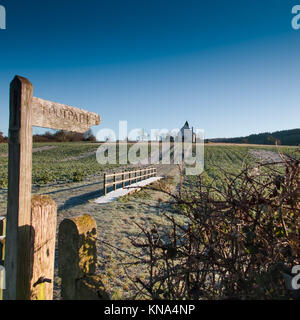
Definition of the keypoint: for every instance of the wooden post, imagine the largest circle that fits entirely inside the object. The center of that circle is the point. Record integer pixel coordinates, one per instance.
(123, 178)
(17, 256)
(26, 228)
(130, 178)
(77, 259)
(2, 239)
(115, 185)
(43, 217)
(2, 254)
(104, 184)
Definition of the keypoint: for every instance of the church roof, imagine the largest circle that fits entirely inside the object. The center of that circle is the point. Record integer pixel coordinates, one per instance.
(186, 126)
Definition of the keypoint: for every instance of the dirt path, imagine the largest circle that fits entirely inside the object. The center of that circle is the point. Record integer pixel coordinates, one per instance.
(266, 156)
(34, 150)
(83, 156)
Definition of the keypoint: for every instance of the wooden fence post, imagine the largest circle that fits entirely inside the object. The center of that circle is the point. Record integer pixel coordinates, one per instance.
(114, 180)
(77, 259)
(123, 178)
(104, 185)
(43, 222)
(17, 257)
(2, 254)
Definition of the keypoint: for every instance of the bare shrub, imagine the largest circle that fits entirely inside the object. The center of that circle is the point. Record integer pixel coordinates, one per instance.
(238, 241)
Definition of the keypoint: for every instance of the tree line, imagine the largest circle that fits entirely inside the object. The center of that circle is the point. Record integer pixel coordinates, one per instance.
(285, 137)
(3, 139)
(58, 136)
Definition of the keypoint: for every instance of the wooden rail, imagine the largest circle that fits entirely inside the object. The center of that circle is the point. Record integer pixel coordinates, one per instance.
(2, 253)
(133, 176)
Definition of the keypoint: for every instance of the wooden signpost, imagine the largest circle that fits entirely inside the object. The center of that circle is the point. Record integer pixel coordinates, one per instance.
(29, 233)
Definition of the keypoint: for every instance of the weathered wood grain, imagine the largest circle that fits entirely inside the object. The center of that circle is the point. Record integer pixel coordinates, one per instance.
(48, 114)
(17, 253)
(43, 222)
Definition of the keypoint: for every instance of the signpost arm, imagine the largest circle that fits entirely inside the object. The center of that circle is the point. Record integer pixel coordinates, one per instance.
(19, 230)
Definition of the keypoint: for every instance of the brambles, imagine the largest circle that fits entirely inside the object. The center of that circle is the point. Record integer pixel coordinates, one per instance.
(3, 139)
(241, 235)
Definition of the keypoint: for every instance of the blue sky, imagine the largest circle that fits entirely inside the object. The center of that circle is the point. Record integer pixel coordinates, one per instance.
(230, 67)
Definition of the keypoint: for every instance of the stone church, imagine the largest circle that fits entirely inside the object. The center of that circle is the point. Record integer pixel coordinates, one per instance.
(186, 134)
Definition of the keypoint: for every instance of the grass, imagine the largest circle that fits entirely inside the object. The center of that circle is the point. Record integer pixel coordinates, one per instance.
(73, 162)
(232, 159)
(116, 221)
(135, 210)
(118, 269)
(67, 162)
(145, 194)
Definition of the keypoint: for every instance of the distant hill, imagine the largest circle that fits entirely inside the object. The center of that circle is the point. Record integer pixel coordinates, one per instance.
(285, 137)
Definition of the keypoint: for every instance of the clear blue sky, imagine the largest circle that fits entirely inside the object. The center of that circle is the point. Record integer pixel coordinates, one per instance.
(231, 67)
